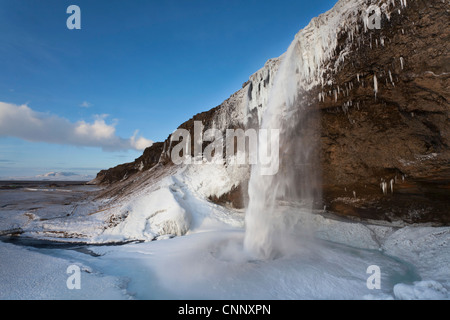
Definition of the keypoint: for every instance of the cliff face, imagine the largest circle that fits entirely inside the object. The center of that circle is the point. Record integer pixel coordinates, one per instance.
(378, 101)
(389, 126)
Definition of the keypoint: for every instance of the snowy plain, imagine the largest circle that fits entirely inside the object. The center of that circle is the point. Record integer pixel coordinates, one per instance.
(193, 249)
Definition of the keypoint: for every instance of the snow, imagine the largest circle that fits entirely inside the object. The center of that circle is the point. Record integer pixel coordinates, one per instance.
(224, 177)
(421, 290)
(171, 205)
(213, 265)
(322, 256)
(153, 215)
(427, 248)
(176, 204)
(57, 212)
(328, 263)
(32, 275)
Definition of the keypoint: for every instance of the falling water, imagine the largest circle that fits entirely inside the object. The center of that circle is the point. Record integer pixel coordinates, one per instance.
(267, 226)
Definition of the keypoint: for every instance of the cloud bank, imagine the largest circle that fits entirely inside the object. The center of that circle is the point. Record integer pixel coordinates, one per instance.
(24, 123)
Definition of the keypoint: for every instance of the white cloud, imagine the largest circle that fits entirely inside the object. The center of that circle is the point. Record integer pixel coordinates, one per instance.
(140, 143)
(86, 104)
(25, 123)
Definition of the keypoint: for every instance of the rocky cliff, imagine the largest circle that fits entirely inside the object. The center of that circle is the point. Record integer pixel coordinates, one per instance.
(386, 135)
(375, 104)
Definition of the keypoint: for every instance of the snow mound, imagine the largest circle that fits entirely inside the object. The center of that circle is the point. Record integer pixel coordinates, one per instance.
(424, 247)
(150, 216)
(214, 180)
(421, 290)
(175, 205)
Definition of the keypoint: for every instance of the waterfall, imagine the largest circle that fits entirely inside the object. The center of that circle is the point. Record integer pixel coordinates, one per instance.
(267, 226)
(288, 106)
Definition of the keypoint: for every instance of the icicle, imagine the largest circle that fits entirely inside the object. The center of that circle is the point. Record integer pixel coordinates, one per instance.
(392, 185)
(357, 76)
(402, 62)
(322, 96)
(345, 107)
(375, 85)
(384, 186)
(390, 77)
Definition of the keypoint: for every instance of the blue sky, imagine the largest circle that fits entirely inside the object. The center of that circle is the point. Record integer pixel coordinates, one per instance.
(72, 99)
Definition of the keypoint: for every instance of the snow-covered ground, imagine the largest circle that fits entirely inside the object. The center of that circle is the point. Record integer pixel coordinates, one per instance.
(200, 254)
(213, 265)
(42, 274)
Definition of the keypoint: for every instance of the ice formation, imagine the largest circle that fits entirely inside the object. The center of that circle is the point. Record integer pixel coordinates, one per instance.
(375, 85)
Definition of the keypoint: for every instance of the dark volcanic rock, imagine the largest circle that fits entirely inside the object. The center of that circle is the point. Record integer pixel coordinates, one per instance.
(399, 134)
(148, 160)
